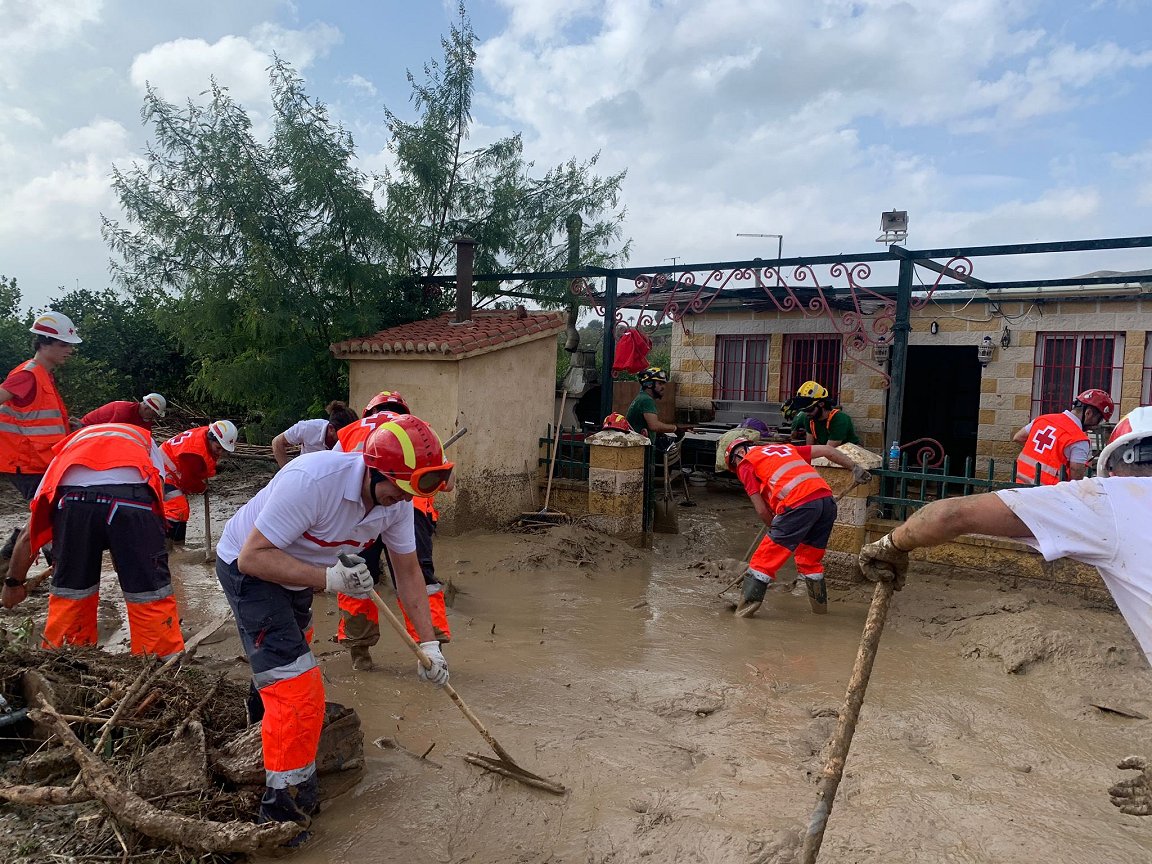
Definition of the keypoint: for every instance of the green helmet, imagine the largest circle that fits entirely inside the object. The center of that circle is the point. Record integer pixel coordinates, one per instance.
(651, 374)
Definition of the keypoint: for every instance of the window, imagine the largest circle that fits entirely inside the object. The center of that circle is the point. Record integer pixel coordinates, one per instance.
(810, 358)
(1146, 375)
(741, 368)
(1070, 363)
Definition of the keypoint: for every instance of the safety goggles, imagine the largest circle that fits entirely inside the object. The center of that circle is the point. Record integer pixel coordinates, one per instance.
(424, 482)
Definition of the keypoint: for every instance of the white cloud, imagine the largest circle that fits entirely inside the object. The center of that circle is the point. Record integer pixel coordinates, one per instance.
(31, 27)
(182, 68)
(359, 82)
(100, 137)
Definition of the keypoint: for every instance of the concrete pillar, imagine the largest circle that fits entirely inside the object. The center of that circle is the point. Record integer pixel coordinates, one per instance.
(616, 482)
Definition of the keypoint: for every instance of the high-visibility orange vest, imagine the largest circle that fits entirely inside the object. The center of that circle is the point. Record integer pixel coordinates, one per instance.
(1048, 439)
(100, 447)
(785, 478)
(28, 434)
(353, 437)
(193, 441)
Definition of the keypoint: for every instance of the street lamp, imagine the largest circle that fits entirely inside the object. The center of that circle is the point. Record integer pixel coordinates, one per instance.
(779, 255)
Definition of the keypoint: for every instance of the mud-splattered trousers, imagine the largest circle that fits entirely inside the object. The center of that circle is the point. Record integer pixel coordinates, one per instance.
(360, 619)
(287, 696)
(86, 520)
(803, 531)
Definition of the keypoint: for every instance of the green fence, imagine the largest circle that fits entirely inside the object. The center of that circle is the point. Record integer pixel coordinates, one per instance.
(571, 455)
(910, 487)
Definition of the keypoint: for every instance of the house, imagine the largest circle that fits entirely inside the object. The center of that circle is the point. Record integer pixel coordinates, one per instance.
(494, 373)
(1041, 346)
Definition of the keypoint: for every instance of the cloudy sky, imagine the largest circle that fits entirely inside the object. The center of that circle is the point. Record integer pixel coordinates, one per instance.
(988, 120)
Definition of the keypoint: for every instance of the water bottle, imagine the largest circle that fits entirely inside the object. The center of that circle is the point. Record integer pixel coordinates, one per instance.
(894, 456)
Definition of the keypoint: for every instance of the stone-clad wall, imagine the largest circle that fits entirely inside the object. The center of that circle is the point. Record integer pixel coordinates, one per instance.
(1006, 384)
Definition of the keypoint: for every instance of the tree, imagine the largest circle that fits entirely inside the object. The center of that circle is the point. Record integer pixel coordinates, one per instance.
(258, 255)
(439, 189)
(15, 340)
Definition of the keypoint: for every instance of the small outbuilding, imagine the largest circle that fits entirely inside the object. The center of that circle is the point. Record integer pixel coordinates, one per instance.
(494, 373)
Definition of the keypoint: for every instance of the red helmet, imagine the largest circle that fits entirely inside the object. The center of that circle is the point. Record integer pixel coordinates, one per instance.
(618, 422)
(738, 441)
(1098, 399)
(387, 397)
(406, 451)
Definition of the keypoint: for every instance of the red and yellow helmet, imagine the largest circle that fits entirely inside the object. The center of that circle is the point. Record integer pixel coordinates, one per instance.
(405, 450)
(390, 399)
(618, 422)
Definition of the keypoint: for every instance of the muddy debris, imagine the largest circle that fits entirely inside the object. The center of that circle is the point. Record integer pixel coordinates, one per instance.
(563, 546)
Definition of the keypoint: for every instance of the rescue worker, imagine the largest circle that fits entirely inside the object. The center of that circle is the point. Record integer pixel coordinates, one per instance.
(103, 490)
(823, 421)
(143, 413)
(1102, 521)
(796, 504)
(190, 459)
(283, 545)
(1058, 444)
(643, 415)
(312, 436)
(33, 418)
(359, 626)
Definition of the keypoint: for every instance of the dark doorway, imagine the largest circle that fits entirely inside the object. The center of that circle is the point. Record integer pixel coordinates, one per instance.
(942, 399)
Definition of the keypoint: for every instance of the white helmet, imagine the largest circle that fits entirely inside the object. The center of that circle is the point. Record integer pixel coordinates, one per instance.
(157, 403)
(1126, 439)
(57, 325)
(225, 433)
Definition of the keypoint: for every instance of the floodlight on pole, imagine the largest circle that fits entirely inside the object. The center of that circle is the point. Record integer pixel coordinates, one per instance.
(779, 255)
(893, 227)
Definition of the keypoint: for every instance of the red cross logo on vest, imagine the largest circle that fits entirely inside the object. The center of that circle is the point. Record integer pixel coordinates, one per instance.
(1044, 439)
(778, 450)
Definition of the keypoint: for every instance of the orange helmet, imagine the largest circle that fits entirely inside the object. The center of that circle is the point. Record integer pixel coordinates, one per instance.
(406, 451)
(1098, 399)
(387, 397)
(618, 422)
(738, 441)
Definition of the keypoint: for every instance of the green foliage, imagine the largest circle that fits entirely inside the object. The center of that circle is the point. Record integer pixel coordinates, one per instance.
(15, 340)
(439, 189)
(258, 256)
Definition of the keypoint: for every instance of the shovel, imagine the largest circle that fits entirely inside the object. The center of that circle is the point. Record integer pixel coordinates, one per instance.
(505, 764)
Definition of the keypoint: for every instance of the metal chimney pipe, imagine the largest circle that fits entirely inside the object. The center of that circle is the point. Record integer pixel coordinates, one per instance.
(465, 257)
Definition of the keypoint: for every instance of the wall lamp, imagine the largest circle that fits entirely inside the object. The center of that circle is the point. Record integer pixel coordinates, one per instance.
(984, 351)
(1006, 337)
(880, 351)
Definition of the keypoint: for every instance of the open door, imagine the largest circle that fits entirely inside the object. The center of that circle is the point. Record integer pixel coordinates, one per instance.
(942, 399)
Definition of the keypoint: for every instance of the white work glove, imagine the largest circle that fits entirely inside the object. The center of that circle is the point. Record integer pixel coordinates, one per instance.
(883, 562)
(349, 576)
(860, 475)
(438, 674)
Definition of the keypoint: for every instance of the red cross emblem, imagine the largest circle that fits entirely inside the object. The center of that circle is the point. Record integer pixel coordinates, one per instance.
(778, 450)
(1044, 439)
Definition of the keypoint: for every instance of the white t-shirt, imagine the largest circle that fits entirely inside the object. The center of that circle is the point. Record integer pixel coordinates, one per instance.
(1103, 522)
(1077, 453)
(79, 475)
(309, 435)
(313, 511)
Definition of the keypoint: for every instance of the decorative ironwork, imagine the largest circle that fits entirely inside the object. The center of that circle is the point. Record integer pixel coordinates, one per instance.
(929, 453)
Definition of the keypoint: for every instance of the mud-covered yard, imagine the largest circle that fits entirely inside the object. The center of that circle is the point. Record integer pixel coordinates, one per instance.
(685, 734)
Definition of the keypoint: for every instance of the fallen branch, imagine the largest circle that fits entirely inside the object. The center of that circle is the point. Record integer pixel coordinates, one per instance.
(132, 811)
(39, 796)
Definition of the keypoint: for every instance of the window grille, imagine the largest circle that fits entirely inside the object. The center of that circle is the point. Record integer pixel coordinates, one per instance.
(741, 368)
(1070, 363)
(809, 357)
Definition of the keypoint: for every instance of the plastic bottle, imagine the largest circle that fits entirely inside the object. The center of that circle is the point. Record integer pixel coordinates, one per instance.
(894, 456)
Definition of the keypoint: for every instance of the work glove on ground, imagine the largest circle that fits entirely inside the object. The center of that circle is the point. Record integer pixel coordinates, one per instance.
(860, 475)
(1134, 796)
(883, 562)
(349, 576)
(438, 674)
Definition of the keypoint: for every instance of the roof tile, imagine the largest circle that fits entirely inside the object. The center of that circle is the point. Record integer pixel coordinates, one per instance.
(488, 330)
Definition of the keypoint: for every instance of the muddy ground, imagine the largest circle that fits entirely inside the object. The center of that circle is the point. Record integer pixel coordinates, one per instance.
(687, 735)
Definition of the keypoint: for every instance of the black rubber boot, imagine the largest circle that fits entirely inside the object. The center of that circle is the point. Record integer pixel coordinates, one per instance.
(818, 595)
(753, 595)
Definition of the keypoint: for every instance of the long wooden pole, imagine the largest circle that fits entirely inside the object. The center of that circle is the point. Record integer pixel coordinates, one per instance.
(209, 551)
(555, 451)
(846, 726)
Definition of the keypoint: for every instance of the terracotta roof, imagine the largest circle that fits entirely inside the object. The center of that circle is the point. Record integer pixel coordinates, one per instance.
(442, 338)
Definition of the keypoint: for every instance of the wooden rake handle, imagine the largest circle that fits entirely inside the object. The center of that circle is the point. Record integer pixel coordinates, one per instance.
(846, 725)
(414, 647)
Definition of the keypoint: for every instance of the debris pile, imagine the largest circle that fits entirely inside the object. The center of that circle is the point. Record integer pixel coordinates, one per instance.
(128, 757)
(560, 546)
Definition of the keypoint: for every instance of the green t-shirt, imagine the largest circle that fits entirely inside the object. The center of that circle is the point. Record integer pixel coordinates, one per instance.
(641, 405)
(839, 428)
